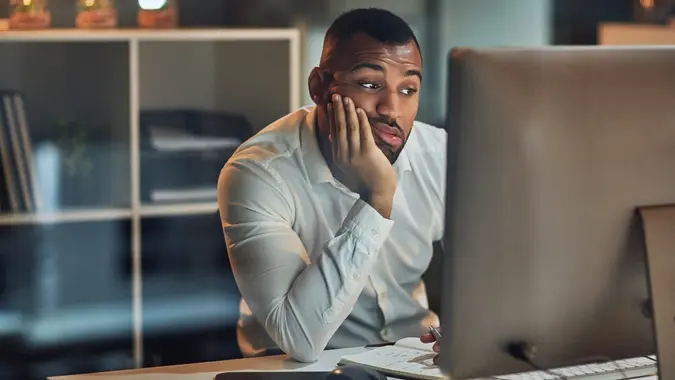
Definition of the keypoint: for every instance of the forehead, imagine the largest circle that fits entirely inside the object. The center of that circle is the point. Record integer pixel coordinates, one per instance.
(363, 48)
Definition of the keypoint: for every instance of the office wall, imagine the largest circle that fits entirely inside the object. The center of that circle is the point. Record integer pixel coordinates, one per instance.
(481, 23)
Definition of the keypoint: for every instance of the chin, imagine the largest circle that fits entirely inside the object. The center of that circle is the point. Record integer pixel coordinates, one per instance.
(390, 154)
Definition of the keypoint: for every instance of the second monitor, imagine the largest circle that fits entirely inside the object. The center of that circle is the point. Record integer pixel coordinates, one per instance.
(551, 152)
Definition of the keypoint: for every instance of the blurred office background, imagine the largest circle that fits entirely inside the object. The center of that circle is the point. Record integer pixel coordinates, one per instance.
(106, 272)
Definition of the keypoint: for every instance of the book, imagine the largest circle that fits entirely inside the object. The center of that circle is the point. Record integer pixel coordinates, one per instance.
(407, 358)
(18, 153)
(11, 191)
(19, 185)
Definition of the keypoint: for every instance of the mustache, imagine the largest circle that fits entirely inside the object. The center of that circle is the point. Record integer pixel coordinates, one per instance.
(389, 122)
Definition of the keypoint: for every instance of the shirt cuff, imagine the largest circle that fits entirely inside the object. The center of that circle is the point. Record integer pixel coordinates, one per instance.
(368, 226)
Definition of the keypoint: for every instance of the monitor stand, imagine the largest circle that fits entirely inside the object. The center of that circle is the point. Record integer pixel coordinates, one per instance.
(658, 225)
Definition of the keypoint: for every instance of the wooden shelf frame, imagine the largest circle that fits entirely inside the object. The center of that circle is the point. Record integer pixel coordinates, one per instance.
(136, 210)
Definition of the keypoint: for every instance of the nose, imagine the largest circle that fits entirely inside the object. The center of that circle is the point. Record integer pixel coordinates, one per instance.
(388, 105)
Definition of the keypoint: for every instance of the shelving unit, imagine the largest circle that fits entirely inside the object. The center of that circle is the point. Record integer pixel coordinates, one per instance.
(635, 34)
(102, 80)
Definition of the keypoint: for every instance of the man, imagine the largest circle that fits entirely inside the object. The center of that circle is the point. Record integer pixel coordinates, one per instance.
(329, 213)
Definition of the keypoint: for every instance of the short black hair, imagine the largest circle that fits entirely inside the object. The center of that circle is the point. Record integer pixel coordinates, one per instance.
(379, 24)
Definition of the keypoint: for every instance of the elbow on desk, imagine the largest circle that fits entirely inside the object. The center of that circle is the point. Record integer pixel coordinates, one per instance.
(303, 351)
(304, 356)
(291, 338)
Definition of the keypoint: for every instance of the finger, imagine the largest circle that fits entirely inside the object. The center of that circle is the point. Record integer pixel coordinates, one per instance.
(427, 338)
(437, 347)
(437, 359)
(333, 133)
(340, 127)
(366, 132)
(353, 134)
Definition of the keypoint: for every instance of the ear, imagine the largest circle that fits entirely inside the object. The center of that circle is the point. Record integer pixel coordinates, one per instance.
(318, 86)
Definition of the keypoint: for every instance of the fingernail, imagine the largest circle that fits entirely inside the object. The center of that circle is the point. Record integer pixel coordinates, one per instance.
(359, 110)
(336, 97)
(346, 101)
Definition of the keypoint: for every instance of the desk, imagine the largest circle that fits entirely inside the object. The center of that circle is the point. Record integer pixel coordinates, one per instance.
(206, 371)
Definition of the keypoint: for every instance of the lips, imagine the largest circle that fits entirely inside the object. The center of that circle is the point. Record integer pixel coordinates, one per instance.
(387, 134)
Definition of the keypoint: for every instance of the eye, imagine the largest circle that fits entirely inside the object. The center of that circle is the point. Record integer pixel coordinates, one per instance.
(409, 91)
(370, 85)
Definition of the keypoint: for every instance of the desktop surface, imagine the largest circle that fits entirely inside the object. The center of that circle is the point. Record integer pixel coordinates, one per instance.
(550, 152)
(272, 367)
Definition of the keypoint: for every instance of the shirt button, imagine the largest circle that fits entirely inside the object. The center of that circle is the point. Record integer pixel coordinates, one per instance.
(356, 276)
(374, 232)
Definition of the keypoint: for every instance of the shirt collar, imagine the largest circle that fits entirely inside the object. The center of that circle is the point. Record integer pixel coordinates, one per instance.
(315, 164)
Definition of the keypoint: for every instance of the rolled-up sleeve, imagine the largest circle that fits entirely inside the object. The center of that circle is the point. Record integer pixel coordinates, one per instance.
(300, 303)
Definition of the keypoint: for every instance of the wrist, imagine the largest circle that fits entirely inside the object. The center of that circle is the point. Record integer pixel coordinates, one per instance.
(382, 202)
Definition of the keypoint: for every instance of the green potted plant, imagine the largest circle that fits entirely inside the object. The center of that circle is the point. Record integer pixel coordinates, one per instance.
(75, 162)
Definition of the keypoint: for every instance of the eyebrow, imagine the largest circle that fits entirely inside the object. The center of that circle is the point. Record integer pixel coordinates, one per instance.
(376, 67)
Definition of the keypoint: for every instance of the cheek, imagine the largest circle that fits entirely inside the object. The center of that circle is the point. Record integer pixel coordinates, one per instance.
(408, 118)
(366, 101)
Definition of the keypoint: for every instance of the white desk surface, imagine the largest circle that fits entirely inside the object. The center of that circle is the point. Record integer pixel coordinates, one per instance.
(207, 371)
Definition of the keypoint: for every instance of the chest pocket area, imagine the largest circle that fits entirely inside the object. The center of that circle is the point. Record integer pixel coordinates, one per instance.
(408, 250)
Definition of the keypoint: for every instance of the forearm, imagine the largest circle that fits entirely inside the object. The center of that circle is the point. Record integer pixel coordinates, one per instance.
(320, 300)
(382, 202)
(323, 293)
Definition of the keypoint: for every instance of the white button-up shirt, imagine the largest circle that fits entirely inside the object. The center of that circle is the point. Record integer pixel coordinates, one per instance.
(316, 266)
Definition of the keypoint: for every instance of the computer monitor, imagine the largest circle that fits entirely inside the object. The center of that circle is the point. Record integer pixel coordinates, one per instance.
(551, 153)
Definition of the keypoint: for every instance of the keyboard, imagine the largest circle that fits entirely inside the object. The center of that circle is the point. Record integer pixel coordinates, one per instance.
(615, 370)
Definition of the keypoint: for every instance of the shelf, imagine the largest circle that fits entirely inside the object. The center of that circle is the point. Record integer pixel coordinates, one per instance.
(112, 320)
(635, 34)
(180, 209)
(80, 35)
(94, 215)
(66, 216)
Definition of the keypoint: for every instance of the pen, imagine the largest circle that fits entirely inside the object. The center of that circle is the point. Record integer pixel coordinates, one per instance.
(435, 333)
